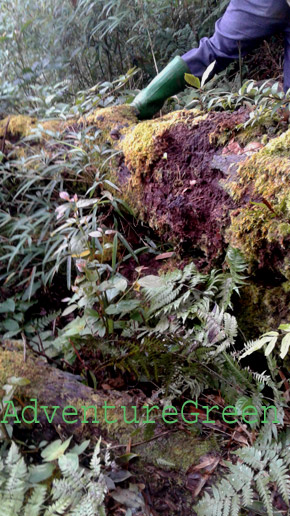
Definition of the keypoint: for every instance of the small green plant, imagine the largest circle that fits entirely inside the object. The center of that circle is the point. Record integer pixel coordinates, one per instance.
(12, 316)
(98, 299)
(34, 250)
(186, 304)
(266, 100)
(195, 82)
(178, 299)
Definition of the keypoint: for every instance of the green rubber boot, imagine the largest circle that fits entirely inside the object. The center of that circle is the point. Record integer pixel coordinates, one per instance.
(167, 83)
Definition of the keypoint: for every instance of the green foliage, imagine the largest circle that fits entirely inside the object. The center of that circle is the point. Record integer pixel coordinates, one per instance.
(30, 50)
(15, 321)
(176, 329)
(268, 341)
(179, 298)
(74, 490)
(195, 81)
(62, 223)
(99, 302)
(254, 474)
(43, 239)
(30, 206)
(267, 100)
(43, 44)
(182, 303)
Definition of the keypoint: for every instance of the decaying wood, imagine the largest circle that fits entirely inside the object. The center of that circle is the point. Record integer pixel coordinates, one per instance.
(202, 181)
(52, 388)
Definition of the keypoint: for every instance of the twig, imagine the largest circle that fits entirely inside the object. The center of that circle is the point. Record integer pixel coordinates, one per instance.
(24, 346)
(78, 355)
(269, 206)
(144, 442)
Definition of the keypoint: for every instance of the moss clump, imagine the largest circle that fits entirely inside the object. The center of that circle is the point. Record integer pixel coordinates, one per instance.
(177, 452)
(261, 308)
(139, 146)
(262, 186)
(17, 126)
(118, 118)
(50, 127)
(51, 387)
(250, 134)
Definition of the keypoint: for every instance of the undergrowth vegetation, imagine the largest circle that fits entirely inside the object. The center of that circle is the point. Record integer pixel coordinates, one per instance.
(49, 51)
(64, 227)
(74, 261)
(265, 100)
(77, 490)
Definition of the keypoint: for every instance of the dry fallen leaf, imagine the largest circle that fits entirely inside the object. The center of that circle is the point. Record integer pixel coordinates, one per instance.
(163, 256)
(253, 147)
(233, 147)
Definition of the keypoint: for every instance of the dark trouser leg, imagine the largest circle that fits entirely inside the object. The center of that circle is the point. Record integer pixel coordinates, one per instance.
(287, 60)
(245, 21)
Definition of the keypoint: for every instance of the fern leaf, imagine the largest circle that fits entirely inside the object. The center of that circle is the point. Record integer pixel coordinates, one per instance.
(227, 507)
(237, 265)
(280, 474)
(95, 460)
(35, 501)
(251, 456)
(262, 481)
(235, 506)
(59, 507)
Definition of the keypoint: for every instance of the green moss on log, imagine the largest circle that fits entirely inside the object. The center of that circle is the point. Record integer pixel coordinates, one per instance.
(262, 225)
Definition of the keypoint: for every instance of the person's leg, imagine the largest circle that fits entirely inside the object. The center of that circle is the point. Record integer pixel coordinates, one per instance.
(244, 23)
(287, 60)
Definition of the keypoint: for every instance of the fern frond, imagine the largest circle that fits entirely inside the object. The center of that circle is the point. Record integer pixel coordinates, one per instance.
(262, 378)
(59, 507)
(35, 502)
(279, 472)
(95, 460)
(262, 481)
(41, 323)
(251, 456)
(236, 505)
(237, 265)
(257, 469)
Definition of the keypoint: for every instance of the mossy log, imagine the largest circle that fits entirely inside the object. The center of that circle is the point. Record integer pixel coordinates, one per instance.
(200, 180)
(175, 448)
(194, 178)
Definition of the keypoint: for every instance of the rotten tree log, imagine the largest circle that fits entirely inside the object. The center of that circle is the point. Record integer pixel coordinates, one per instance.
(201, 180)
(73, 408)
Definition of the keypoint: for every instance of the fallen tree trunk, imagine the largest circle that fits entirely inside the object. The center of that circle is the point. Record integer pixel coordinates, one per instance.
(73, 408)
(201, 181)
(162, 472)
